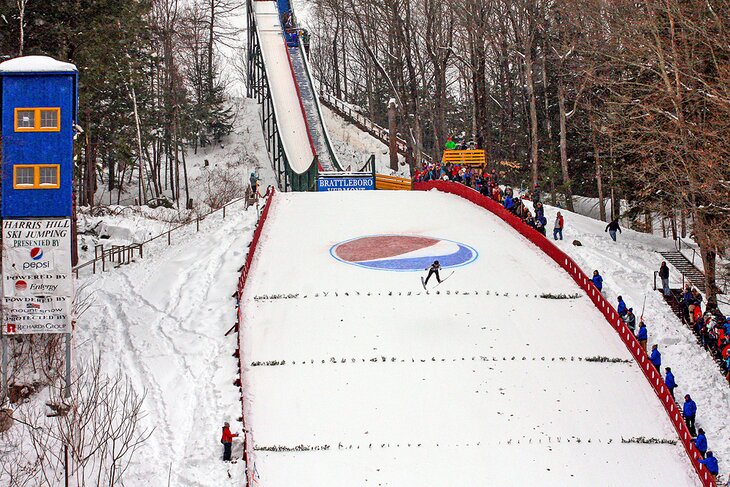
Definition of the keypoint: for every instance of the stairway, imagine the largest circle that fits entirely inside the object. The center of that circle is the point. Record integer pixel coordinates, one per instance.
(686, 268)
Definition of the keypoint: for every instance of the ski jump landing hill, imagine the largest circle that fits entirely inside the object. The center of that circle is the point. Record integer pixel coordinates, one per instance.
(296, 109)
(512, 372)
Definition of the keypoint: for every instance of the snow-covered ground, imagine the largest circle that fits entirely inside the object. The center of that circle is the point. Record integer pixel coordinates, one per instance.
(627, 267)
(484, 383)
(163, 319)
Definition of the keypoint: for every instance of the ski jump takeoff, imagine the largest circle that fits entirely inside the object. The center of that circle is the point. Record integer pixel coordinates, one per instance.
(434, 270)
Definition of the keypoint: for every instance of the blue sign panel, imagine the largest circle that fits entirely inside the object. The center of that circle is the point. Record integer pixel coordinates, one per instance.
(346, 183)
(38, 113)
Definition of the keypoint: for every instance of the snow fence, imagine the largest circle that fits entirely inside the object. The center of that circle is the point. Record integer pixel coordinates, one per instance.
(585, 283)
(247, 434)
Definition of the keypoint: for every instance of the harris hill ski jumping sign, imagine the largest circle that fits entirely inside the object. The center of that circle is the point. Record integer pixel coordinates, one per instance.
(37, 283)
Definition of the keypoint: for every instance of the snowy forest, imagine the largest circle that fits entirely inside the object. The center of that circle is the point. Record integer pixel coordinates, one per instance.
(615, 100)
(150, 84)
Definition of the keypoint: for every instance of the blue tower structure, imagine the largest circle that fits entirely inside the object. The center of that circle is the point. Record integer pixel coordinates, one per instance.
(37, 115)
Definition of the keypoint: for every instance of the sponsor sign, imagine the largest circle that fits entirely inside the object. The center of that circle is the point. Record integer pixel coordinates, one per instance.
(402, 253)
(32, 314)
(346, 183)
(37, 258)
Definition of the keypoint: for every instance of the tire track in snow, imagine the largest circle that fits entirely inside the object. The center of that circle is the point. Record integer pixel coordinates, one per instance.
(150, 314)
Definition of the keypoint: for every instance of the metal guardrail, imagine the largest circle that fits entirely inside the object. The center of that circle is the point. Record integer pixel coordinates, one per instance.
(119, 255)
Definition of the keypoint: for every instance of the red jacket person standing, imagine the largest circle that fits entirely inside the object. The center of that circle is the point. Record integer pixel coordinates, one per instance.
(227, 440)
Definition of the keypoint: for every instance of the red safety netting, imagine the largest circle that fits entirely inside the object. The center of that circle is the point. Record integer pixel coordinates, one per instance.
(247, 434)
(584, 282)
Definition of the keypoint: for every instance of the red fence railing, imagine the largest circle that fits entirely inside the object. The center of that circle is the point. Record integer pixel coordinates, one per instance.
(611, 315)
(247, 434)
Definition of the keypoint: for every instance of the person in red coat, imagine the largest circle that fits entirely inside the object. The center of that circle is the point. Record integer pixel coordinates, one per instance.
(227, 440)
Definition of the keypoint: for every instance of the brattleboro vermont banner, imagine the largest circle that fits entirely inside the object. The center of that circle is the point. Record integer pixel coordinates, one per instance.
(37, 284)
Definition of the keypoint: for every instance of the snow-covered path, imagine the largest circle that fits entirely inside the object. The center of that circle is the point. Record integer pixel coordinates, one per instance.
(355, 376)
(162, 319)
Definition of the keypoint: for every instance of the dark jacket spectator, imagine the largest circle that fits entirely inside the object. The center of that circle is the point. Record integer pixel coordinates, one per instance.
(701, 442)
(597, 280)
(621, 307)
(643, 334)
(711, 463)
(669, 381)
(690, 407)
(656, 357)
(612, 228)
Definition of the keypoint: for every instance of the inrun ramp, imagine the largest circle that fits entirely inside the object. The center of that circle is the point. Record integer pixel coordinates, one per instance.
(353, 375)
(289, 115)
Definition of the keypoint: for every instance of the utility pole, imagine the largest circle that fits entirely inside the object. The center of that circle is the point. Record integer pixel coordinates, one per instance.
(393, 133)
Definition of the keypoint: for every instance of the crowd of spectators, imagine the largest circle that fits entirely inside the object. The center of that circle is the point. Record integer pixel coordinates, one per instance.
(712, 331)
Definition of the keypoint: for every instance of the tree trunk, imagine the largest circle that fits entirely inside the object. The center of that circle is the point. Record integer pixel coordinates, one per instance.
(393, 134)
(567, 190)
(599, 176)
(534, 144)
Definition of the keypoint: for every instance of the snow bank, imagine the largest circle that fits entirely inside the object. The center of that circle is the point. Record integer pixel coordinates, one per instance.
(36, 64)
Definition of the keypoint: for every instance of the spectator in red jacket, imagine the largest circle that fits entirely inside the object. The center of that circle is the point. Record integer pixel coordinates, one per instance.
(558, 228)
(227, 440)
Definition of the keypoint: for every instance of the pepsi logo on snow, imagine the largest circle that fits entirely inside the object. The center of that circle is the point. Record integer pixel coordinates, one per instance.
(36, 253)
(402, 252)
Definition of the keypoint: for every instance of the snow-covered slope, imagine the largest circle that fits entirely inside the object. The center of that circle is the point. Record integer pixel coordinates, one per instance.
(162, 319)
(483, 383)
(354, 146)
(627, 267)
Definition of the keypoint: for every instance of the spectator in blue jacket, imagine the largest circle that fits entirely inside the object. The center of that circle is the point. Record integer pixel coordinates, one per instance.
(597, 281)
(711, 463)
(643, 335)
(656, 357)
(509, 202)
(669, 381)
(701, 442)
(689, 410)
(621, 307)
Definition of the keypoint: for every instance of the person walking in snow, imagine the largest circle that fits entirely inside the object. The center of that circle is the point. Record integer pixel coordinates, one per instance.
(701, 442)
(612, 228)
(630, 320)
(597, 281)
(669, 381)
(711, 463)
(664, 274)
(254, 181)
(558, 228)
(227, 440)
(689, 410)
(622, 309)
(656, 357)
(433, 270)
(643, 335)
